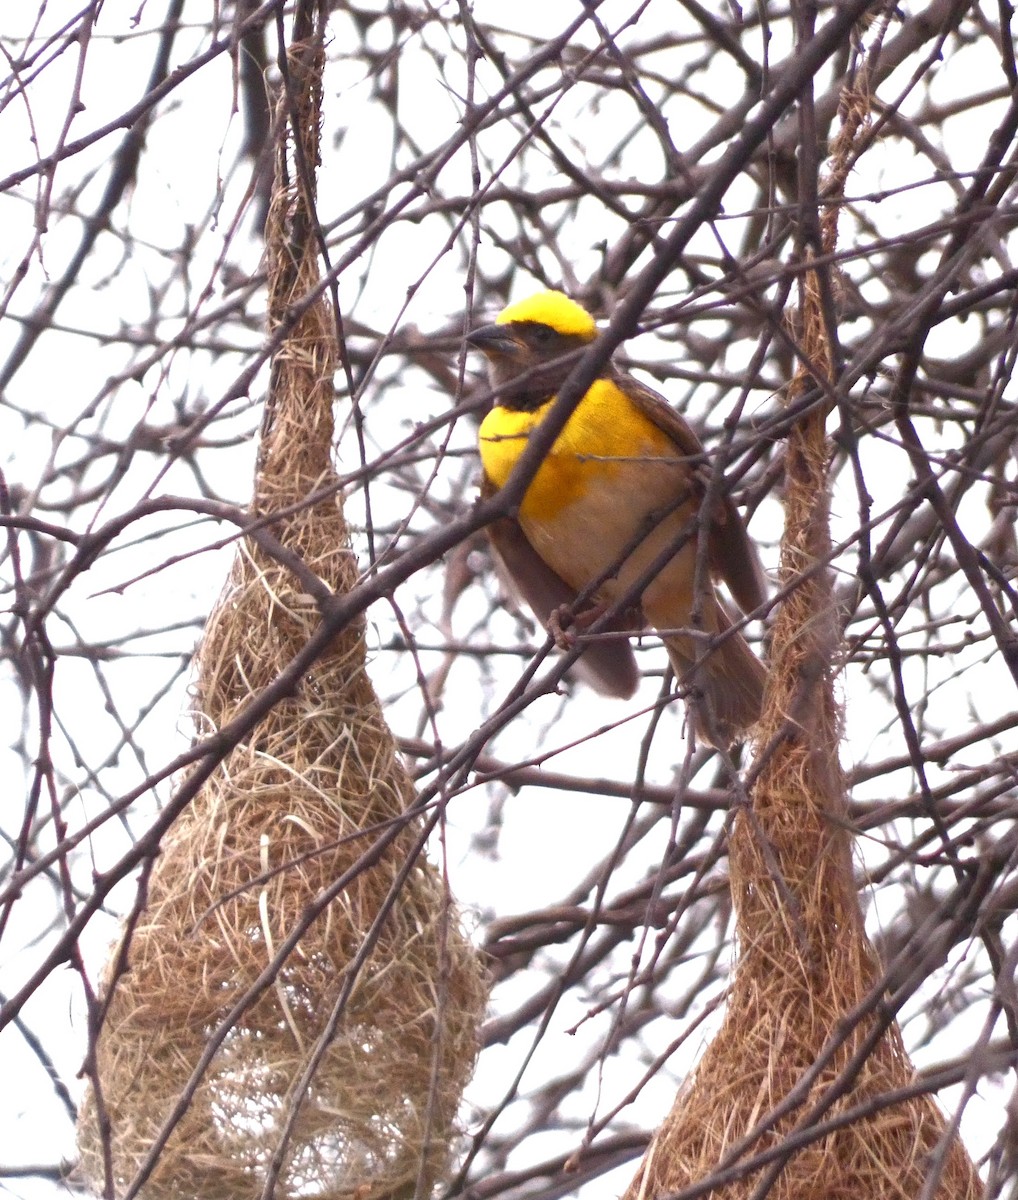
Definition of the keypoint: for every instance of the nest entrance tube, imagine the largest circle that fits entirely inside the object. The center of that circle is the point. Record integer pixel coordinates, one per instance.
(298, 1017)
(806, 1091)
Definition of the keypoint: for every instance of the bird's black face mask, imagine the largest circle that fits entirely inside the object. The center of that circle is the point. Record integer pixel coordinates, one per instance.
(527, 362)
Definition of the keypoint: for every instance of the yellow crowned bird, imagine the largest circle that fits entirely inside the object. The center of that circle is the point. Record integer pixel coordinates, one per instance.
(611, 515)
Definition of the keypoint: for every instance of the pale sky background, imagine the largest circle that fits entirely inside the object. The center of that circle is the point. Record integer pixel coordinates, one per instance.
(544, 840)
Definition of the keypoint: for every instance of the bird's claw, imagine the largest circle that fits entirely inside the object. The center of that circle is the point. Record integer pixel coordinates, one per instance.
(565, 623)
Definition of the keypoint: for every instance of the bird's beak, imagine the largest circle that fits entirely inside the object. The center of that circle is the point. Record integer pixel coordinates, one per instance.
(493, 340)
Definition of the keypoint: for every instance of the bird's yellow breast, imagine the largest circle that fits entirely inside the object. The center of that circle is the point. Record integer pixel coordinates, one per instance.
(605, 433)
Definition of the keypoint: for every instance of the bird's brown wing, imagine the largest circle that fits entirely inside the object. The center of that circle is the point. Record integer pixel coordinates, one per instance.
(608, 666)
(732, 555)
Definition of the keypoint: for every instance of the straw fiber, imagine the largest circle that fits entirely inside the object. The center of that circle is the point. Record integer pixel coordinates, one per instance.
(803, 1041)
(343, 1075)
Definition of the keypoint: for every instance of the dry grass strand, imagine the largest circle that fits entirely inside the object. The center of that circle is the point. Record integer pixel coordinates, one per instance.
(291, 811)
(805, 964)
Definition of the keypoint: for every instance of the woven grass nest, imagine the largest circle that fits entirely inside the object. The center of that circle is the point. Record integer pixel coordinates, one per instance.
(806, 1091)
(271, 832)
(343, 1076)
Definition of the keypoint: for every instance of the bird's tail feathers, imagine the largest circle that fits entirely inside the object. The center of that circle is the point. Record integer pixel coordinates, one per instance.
(727, 684)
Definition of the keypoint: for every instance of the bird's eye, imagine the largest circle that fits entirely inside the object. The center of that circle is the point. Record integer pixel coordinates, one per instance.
(542, 335)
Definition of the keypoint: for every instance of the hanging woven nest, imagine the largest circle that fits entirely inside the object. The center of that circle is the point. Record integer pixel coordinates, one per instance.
(806, 1091)
(299, 1013)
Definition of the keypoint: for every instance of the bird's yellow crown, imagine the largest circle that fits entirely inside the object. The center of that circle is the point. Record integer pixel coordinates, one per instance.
(553, 309)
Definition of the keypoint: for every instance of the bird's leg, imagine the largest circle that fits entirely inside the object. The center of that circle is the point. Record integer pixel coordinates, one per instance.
(564, 622)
